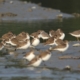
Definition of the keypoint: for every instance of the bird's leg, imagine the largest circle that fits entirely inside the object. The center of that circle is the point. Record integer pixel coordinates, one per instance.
(51, 45)
(37, 49)
(77, 39)
(44, 63)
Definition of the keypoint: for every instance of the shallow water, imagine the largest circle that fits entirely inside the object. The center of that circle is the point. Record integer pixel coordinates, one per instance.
(12, 69)
(16, 69)
(67, 25)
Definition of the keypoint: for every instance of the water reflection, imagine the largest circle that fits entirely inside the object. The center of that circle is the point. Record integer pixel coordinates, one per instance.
(49, 75)
(67, 25)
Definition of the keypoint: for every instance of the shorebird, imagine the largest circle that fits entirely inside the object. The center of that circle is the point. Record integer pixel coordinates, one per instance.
(45, 55)
(22, 36)
(60, 34)
(59, 42)
(23, 45)
(52, 33)
(43, 34)
(50, 41)
(33, 35)
(6, 36)
(54, 41)
(13, 41)
(76, 34)
(35, 41)
(35, 62)
(29, 55)
(61, 47)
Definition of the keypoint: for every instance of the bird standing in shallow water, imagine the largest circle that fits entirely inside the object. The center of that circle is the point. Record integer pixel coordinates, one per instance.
(50, 41)
(29, 55)
(52, 33)
(35, 41)
(35, 62)
(62, 47)
(35, 34)
(7, 36)
(43, 34)
(23, 45)
(76, 34)
(45, 55)
(60, 34)
(22, 36)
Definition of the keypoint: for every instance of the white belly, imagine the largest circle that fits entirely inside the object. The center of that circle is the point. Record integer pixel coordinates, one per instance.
(39, 36)
(62, 36)
(50, 35)
(28, 37)
(30, 57)
(36, 42)
(63, 49)
(75, 35)
(46, 57)
(37, 63)
(8, 42)
(12, 44)
(25, 46)
(44, 38)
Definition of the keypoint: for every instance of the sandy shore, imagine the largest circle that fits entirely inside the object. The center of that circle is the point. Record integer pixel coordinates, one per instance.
(14, 10)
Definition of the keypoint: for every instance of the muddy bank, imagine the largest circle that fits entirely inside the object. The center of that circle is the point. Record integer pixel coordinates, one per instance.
(25, 11)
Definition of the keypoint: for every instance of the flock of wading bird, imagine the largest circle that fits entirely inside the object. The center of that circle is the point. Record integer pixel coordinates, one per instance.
(23, 41)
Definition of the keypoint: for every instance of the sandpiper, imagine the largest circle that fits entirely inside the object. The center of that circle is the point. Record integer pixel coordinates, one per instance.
(22, 33)
(52, 33)
(13, 41)
(22, 36)
(45, 55)
(60, 33)
(76, 34)
(36, 61)
(23, 45)
(50, 41)
(35, 41)
(33, 35)
(6, 36)
(43, 34)
(29, 55)
(54, 41)
(59, 42)
(62, 47)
